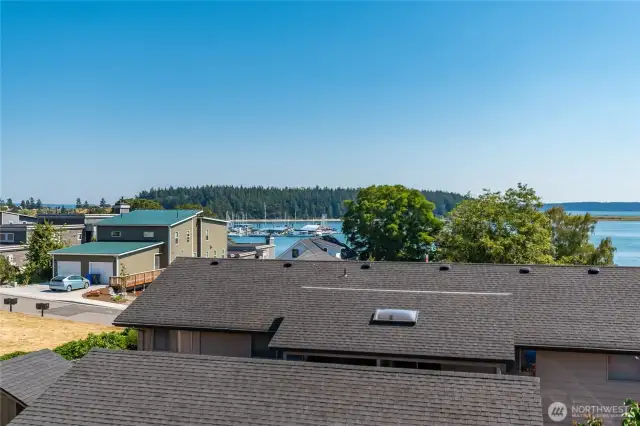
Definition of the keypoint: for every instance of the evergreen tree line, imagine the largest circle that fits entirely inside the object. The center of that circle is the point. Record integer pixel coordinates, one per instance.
(251, 201)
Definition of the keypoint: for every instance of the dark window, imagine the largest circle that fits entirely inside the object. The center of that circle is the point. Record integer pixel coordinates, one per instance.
(295, 253)
(623, 368)
(347, 361)
(160, 339)
(260, 346)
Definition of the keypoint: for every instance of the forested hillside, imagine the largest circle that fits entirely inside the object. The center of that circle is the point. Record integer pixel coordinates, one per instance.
(298, 202)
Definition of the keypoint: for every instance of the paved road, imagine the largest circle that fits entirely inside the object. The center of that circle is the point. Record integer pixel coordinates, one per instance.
(66, 310)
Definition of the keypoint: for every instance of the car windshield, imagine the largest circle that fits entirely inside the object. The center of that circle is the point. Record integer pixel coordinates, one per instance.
(59, 278)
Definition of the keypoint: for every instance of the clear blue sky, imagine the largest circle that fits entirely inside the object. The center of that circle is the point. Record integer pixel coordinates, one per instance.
(107, 99)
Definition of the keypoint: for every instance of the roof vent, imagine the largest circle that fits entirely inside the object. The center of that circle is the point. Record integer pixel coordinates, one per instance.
(445, 267)
(215, 262)
(525, 270)
(395, 316)
(365, 266)
(594, 271)
(287, 265)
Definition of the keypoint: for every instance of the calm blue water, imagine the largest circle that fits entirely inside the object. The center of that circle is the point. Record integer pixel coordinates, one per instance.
(625, 237)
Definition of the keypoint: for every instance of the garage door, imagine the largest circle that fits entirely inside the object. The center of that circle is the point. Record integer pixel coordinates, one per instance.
(105, 269)
(69, 268)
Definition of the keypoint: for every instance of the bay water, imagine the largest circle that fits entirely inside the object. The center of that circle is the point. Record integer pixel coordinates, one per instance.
(624, 234)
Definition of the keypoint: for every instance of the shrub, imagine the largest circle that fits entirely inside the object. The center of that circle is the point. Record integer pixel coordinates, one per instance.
(126, 339)
(12, 355)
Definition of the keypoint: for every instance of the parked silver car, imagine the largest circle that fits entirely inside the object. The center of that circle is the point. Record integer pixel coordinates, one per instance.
(68, 282)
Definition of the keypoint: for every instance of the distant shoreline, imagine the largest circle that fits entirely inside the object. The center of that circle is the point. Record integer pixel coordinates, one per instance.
(616, 218)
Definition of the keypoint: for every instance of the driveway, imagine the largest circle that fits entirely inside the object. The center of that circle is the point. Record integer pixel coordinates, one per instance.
(67, 310)
(42, 292)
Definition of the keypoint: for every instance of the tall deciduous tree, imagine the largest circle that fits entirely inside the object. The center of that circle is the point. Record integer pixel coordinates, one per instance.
(571, 243)
(8, 272)
(42, 240)
(391, 223)
(498, 228)
(142, 204)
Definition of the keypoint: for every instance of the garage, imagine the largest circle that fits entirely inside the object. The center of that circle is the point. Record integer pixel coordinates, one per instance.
(69, 268)
(105, 269)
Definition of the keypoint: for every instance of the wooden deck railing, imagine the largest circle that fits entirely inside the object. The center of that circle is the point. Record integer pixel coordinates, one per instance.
(135, 280)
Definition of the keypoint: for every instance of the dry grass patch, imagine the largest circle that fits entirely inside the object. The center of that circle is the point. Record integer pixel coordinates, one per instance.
(22, 332)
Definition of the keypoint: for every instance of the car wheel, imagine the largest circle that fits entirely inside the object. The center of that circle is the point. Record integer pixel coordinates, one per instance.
(86, 284)
(68, 288)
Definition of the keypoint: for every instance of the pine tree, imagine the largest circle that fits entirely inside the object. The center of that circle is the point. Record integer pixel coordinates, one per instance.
(103, 202)
(32, 203)
(85, 205)
(38, 204)
(23, 205)
(42, 240)
(78, 203)
(10, 202)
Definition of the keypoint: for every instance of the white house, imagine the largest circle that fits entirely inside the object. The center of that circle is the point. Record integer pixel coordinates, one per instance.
(315, 248)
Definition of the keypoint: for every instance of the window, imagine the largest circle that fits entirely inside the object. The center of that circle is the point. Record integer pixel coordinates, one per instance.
(7, 238)
(623, 367)
(79, 236)
(188, 236)
(160, 339)
(207, 253)
(295, 253)
(206, 235)
(195, 254)
(148, 234)
(116, 234)
(177, 237)
(215, 253)
(395, 316)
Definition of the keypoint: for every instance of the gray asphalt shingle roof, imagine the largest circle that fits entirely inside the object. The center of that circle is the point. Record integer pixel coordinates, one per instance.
(168, 388)
(553, 306)
(448, 326)
(319, 256)
(27, 377)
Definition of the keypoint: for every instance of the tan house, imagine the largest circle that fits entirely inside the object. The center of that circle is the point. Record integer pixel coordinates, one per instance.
(143, 241)
(576, 328)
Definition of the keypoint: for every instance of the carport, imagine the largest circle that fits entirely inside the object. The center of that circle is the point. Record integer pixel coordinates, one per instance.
(106, 259)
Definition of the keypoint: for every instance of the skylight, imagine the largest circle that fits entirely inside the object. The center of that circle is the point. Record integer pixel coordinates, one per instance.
(395, 316)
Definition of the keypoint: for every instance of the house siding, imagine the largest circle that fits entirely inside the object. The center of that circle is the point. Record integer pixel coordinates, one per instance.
(9, 218)
(141, 261)
(579, 379)
(136, 233)
(201, 342)
(218, 239)
(183, 248)
(19, 236)
(19, 256)
(8, 408)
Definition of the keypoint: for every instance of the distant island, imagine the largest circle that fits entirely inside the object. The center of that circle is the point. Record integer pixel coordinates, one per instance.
(595, 206)
(253, 201)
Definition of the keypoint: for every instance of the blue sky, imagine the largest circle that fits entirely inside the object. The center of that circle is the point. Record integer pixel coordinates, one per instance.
(109, 98)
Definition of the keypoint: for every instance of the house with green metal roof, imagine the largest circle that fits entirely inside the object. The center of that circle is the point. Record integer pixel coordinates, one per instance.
(143, 241)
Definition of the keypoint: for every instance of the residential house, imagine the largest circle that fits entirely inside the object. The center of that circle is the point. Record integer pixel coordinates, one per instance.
(89, 221)
(161, 388)
(11, 218)
(266, 250)
(25, 378)
(143, 241)
(18, 233)
(576, 328)
(15, 254)
(317, 248)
